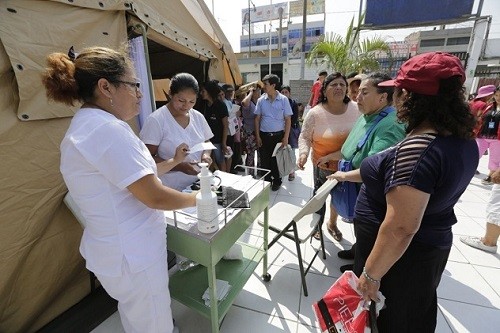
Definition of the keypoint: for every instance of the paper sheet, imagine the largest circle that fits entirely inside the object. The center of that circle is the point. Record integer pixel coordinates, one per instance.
(201, 146)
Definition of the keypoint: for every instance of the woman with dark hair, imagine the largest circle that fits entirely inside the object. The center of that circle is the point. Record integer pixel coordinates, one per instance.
(216, 114)
(404, 212)
(248, 131)
(113, 179)
(175, 123)
(325, 129)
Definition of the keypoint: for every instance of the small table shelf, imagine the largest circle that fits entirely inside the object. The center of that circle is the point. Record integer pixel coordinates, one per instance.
(188, 286)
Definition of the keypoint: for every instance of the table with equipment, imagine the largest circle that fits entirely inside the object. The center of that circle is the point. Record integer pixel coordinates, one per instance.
(207, 250)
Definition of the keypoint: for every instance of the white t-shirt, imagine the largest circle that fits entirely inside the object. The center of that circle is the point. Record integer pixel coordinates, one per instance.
(162, 130)
(100, 157)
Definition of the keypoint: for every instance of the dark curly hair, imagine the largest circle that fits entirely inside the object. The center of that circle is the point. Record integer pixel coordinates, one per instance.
(328, 80)
(447, 111)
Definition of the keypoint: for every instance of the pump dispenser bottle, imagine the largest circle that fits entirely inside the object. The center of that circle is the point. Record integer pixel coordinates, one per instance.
(206, 202)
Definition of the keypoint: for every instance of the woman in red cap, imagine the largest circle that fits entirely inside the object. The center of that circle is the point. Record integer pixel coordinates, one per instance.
(404, 212)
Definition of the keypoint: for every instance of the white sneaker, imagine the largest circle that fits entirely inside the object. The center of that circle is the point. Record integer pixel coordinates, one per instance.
(478, 244)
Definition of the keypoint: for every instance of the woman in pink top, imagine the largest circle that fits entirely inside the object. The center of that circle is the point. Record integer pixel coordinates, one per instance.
(325, 129)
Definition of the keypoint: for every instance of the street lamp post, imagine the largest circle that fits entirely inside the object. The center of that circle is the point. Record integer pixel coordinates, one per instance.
(249, 38)
(303, 53)
(270, 38)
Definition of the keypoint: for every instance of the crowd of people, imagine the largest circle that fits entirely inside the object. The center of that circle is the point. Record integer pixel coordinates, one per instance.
(421, 143)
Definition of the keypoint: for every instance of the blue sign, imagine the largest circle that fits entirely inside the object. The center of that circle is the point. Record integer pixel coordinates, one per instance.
(404, 13)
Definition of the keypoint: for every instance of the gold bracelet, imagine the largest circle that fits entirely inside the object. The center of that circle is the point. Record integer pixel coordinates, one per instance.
(369, 278)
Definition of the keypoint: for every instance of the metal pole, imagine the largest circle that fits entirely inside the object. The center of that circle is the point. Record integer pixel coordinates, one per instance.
(270, 37)
(360, 8)
(479, 8)
(249, 38)
(303, 53)
(280, 37)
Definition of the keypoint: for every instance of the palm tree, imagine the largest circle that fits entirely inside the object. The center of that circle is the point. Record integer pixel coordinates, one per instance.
(348, 54)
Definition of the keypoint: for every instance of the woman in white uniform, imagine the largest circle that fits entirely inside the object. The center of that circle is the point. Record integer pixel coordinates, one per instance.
(113, 179)
(173, 124)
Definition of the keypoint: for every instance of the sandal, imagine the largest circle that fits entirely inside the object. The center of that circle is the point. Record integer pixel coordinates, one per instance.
(334, 231)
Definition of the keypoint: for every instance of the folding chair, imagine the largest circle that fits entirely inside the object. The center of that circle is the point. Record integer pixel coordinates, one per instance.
(300, 223)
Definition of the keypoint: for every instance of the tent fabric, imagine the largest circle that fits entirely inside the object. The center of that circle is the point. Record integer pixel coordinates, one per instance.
(60, 27)
(43, 273)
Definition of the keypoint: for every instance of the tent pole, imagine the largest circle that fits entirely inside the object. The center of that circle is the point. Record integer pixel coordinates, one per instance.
(143, 32)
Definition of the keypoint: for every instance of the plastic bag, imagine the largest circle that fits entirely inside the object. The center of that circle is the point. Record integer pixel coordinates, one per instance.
(285, 158)
(343, 310)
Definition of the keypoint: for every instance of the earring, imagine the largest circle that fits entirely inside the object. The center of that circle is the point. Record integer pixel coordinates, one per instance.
(111, 102)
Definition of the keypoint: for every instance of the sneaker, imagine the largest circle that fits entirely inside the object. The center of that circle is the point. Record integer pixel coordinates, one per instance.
(291, 176)
(476, 242)
(487, 181)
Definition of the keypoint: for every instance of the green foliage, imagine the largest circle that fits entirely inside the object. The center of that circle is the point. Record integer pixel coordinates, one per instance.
(348, 54)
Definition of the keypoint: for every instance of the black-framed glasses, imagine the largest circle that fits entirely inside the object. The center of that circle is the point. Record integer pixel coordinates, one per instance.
(136, 85)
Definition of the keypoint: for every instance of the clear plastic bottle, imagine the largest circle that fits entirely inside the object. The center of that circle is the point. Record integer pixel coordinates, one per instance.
(206, 203)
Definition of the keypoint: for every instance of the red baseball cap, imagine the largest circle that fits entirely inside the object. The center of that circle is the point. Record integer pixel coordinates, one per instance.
(421, 74)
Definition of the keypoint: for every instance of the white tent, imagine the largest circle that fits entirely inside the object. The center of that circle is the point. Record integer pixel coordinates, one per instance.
(43, 273)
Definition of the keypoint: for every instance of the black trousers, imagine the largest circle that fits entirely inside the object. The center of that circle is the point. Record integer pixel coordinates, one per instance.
(409, 286)
(266, 152)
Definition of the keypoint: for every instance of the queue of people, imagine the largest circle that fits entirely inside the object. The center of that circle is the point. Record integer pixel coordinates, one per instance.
(416, 127)
(404, 211)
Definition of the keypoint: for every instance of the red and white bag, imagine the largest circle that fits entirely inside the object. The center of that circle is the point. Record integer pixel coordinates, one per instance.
(343, 310)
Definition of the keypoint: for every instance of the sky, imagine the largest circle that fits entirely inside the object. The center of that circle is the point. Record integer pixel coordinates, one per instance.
(338, 16)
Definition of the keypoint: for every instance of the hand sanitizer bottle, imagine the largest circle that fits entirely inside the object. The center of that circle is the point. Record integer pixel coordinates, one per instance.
(206, 203)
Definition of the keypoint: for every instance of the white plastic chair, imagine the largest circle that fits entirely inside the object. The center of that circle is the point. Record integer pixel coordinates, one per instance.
(300, 223)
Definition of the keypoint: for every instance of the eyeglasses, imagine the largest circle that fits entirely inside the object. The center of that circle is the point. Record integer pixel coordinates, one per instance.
(136, 85)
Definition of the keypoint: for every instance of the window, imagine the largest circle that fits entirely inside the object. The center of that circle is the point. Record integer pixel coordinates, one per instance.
(432, 42)
(458, 41)
(294, 34)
